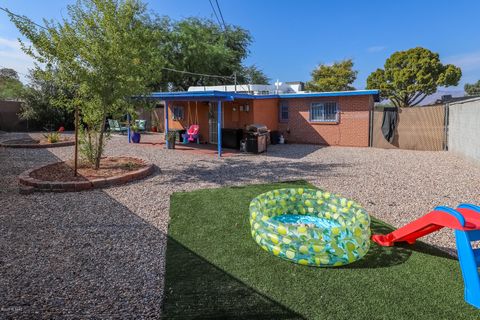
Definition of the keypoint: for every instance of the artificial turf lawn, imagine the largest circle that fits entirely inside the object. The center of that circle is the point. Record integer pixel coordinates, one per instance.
(214, 269)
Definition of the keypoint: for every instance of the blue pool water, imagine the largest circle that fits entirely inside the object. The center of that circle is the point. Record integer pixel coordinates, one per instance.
(305, 219)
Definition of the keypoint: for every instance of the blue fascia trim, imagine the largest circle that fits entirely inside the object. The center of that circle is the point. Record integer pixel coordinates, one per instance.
(230, 96)
(198, 95)
(254, 97)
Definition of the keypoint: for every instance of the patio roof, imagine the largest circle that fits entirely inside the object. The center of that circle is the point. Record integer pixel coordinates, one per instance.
(230, 96)
(197, 95)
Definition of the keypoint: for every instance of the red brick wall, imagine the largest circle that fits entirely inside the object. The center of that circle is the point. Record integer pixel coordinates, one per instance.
(352, 128)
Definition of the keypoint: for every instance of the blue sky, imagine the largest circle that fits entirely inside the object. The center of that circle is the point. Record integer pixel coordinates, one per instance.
(292, 37)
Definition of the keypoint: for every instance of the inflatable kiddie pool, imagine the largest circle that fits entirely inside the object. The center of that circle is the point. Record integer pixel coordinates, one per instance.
(310, 226)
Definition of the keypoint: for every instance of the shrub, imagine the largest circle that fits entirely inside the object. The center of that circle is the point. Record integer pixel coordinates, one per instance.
(54, 136)
(88, 142)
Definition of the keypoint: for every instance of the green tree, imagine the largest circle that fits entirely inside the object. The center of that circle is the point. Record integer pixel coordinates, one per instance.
(472, 89)
(41, 102)
(105, 51)
(252, 75)
(11, 88)
(336, 77)
(199, 46)
(410, 76)
(8, 73)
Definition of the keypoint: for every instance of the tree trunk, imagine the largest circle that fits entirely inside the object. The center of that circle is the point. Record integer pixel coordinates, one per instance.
(90, 145)
(100, 142)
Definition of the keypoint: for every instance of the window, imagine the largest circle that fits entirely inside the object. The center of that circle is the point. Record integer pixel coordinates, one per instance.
(324, 112)
(284, 111)
(178, 112)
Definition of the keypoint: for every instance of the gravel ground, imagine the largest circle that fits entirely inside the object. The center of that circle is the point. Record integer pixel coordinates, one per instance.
(101, 253)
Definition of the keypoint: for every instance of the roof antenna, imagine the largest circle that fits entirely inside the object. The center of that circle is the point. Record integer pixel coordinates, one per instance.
(277, 86)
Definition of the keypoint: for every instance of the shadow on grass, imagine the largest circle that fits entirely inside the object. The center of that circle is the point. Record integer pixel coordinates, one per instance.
(196, 289)
(379, 257)
(426, 249)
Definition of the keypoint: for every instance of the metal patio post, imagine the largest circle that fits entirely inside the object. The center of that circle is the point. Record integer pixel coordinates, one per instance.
(166, 123)
(128, 129)
(219, 128)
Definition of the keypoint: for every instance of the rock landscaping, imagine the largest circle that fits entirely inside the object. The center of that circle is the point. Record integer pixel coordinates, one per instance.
(59, 176)
(101, 253)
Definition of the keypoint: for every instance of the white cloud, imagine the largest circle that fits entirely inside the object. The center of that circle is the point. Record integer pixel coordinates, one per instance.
(12, 56)
(467, 62)
(376, 49)
(13, 44)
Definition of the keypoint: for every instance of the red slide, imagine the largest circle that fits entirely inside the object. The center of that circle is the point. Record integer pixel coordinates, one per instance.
(460, 219)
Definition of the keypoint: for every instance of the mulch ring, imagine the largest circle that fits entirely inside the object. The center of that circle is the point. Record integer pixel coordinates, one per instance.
(35, 143)
(59, 176)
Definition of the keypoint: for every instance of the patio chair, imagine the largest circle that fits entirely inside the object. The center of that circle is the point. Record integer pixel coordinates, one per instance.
(116, 127)
(141, 124)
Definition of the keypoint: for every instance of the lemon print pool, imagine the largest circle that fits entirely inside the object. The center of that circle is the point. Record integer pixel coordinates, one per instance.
(310, 226)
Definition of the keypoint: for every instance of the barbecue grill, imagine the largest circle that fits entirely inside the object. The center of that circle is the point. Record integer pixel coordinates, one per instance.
(257, 138)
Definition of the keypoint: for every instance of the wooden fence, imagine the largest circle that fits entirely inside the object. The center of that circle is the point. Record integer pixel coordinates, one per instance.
(9, 119)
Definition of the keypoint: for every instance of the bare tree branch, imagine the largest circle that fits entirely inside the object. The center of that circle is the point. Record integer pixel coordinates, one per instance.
(416, 103)
(415, 97)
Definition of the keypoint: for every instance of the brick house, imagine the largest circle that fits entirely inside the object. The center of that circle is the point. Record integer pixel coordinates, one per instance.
(335, 120)
(326, 118)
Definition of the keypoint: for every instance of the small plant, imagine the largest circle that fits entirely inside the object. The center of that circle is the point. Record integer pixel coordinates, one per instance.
(54, 136)
(134, 128)
(170, 138)
(171, 135)
(155, 125)
(130, 166)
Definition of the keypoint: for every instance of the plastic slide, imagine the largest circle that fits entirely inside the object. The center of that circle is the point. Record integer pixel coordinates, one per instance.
(465, 220)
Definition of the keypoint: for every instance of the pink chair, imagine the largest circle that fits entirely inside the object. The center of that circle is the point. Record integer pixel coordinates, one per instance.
(193, 133)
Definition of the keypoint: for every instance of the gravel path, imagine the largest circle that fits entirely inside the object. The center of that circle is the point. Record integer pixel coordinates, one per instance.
(101, 253)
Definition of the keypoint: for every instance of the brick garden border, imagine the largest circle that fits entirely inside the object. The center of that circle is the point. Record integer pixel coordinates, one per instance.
(29, 184)
(5, 144)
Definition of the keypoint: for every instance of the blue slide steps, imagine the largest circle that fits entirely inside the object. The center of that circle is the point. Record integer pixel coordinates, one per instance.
(469, 259)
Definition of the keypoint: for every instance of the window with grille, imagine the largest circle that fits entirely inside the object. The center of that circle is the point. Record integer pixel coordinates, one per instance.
(324, 112)
(178, 112)
(284, 111)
